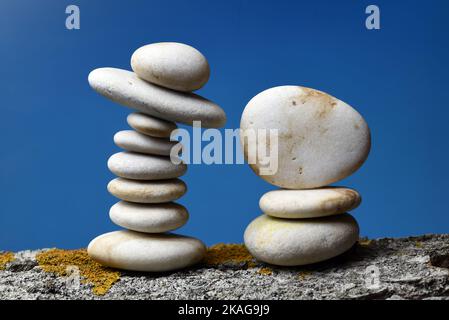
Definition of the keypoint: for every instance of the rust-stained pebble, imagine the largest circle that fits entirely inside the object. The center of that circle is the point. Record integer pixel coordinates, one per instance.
(321, 139)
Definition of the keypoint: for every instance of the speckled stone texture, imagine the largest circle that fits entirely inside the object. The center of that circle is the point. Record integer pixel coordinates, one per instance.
(409, 268)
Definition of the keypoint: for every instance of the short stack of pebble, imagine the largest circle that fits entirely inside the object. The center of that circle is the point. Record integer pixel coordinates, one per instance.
(160, 88)
(321, 140)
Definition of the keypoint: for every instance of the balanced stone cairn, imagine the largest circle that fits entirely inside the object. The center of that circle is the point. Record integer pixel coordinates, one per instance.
(160, 89)
(321, 140)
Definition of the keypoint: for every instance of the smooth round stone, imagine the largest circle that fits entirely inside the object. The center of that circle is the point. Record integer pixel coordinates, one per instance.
(288, 242)
(126, 88)
(320, 139)
(172, 65)
(311, 203)
(138, 166)
(150, 126)
(153, 191)
(150, 218)
(134, 141)
(135, 251)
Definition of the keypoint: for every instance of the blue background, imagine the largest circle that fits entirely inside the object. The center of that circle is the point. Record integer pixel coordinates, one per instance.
(56, 133)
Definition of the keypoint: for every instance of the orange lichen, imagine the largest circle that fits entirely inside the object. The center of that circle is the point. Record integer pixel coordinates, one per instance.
(303, 275)
(5, 258)
(364, 241)
(265, 271)
(57, 261)
(228, 253)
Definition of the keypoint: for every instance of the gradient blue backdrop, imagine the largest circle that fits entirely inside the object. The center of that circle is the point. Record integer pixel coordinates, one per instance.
(56, 133)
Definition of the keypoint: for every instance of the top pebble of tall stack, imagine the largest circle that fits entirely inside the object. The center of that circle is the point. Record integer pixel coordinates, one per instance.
(171, 65)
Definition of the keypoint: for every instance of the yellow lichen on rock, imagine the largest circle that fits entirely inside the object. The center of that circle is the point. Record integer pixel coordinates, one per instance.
(222, 253)
(5, 258)
(304, 274)
(57, 261)
(265, 271)
(364, 241)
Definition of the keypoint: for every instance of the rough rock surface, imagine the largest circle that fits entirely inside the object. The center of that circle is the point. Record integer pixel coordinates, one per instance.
(409, 268)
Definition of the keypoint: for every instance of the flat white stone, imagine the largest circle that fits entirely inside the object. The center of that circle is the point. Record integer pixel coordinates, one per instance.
(138, 166)
(152, 191)
(150, 126)
(131, 140)
(311, 203)
(135, 251)
(172, 65)
(126, 88)
(288, 242)
(321, 139)
(150, 218)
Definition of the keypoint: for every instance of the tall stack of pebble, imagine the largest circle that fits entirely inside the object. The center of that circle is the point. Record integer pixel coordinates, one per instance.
(321, 140)
(160, 89)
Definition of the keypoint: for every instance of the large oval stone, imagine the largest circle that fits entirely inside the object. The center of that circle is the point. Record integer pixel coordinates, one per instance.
(321, 139)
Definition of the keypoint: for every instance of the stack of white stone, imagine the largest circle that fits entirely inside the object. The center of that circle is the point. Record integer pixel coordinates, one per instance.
(321, 140)
(147, 184)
